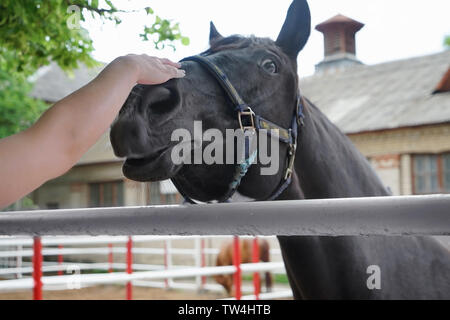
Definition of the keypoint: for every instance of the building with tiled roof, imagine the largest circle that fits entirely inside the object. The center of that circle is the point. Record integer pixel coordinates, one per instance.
(390, 95)
(397, 113)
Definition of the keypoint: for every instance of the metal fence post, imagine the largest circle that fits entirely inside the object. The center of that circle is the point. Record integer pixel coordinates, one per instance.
(60, 261)
(110, 257)
(37, 268)
(389, 216)
(237, 264)
(256, 277)
(203, 260)
(19, 262)
(129, 267)
(198, 261)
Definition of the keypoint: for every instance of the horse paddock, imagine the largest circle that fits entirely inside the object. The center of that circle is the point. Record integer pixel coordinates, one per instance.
(113, 292)
(87, 268)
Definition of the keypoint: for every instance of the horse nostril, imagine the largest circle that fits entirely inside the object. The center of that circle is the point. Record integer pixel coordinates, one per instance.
(138, 135)
(129, 138)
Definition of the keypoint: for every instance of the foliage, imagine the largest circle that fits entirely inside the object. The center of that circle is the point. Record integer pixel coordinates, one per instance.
(26, 203)
(447, 42)
(164, 31)
(17, 109)
(35, 32)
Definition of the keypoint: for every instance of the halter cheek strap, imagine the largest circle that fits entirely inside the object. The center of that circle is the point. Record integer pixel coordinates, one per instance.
(249, 123)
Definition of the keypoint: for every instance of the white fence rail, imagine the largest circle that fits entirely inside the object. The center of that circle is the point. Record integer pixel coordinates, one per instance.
(142, 274)
(407, 215)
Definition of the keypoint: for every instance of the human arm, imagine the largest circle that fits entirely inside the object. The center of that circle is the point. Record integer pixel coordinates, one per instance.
(72, 125)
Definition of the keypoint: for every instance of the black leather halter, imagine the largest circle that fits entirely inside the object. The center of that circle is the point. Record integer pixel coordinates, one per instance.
(249, 122)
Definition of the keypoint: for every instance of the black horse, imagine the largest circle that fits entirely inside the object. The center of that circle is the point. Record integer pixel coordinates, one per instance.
(327, 165)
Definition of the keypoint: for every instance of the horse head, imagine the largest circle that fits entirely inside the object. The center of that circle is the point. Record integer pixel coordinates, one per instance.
(263, 71)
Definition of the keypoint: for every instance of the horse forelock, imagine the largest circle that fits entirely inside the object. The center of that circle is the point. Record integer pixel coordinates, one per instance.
(238, 42)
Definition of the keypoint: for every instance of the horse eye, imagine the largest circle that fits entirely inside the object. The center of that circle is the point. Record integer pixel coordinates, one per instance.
(269, 66)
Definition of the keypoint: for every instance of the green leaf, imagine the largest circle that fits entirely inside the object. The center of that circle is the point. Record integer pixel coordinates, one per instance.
(185, 41)
(447, 42)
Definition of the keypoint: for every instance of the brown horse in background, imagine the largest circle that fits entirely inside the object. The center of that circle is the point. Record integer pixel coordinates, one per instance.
(225, 258)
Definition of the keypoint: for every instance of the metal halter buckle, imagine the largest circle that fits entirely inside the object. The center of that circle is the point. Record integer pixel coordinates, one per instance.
(249, 113)
(289, 169)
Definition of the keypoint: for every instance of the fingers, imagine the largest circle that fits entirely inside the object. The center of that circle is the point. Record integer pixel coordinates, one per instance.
(175, 72)
(170, 63)
(180, 73)
(170, 67)
(153, 70)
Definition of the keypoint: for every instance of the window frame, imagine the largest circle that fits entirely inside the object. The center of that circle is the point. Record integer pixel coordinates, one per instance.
(439, 172)
(114, 193)
(163, 198)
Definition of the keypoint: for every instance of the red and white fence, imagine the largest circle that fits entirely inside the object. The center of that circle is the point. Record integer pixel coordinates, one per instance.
(14, 250)
(387, 216)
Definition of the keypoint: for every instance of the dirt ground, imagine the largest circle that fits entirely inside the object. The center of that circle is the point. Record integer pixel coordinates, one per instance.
(113, 293)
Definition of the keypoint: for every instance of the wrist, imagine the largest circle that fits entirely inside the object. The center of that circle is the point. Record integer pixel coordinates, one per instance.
(128, 65)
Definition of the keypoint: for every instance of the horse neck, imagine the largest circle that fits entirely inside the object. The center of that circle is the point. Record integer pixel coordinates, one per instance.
(328, 165)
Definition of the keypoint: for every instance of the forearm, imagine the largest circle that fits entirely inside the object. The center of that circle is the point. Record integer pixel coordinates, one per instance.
(63, 133)
(69, 128)
(82, 117)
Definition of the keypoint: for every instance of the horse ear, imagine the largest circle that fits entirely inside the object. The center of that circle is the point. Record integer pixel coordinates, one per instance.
(296, 28)
(214, 35)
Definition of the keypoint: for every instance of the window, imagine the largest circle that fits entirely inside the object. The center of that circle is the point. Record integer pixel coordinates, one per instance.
(52, 205)
(431, 173)
(446, 171)
(163, 192)
(108, 194)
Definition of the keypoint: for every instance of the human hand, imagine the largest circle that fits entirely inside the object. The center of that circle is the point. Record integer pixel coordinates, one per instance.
(153, 70)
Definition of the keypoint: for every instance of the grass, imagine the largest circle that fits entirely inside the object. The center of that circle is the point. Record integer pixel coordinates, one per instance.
(277, 278)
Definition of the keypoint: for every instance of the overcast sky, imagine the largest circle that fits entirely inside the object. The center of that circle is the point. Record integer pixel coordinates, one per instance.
(394, 29)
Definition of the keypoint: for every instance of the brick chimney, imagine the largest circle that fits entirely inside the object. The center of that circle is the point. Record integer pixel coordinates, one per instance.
(339, 41)
(444, 84)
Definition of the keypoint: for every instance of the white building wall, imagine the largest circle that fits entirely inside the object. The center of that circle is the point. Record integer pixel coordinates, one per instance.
(388, 169)
(135, 193)
(406, 175)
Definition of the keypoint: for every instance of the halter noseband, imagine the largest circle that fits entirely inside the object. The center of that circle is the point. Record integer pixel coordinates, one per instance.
(249, 122)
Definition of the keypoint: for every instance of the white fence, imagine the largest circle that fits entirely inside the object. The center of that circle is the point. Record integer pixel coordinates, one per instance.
(14, 250)
(407, 215)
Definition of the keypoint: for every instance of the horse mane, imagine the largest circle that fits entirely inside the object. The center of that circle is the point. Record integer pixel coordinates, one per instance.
(237, 42)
